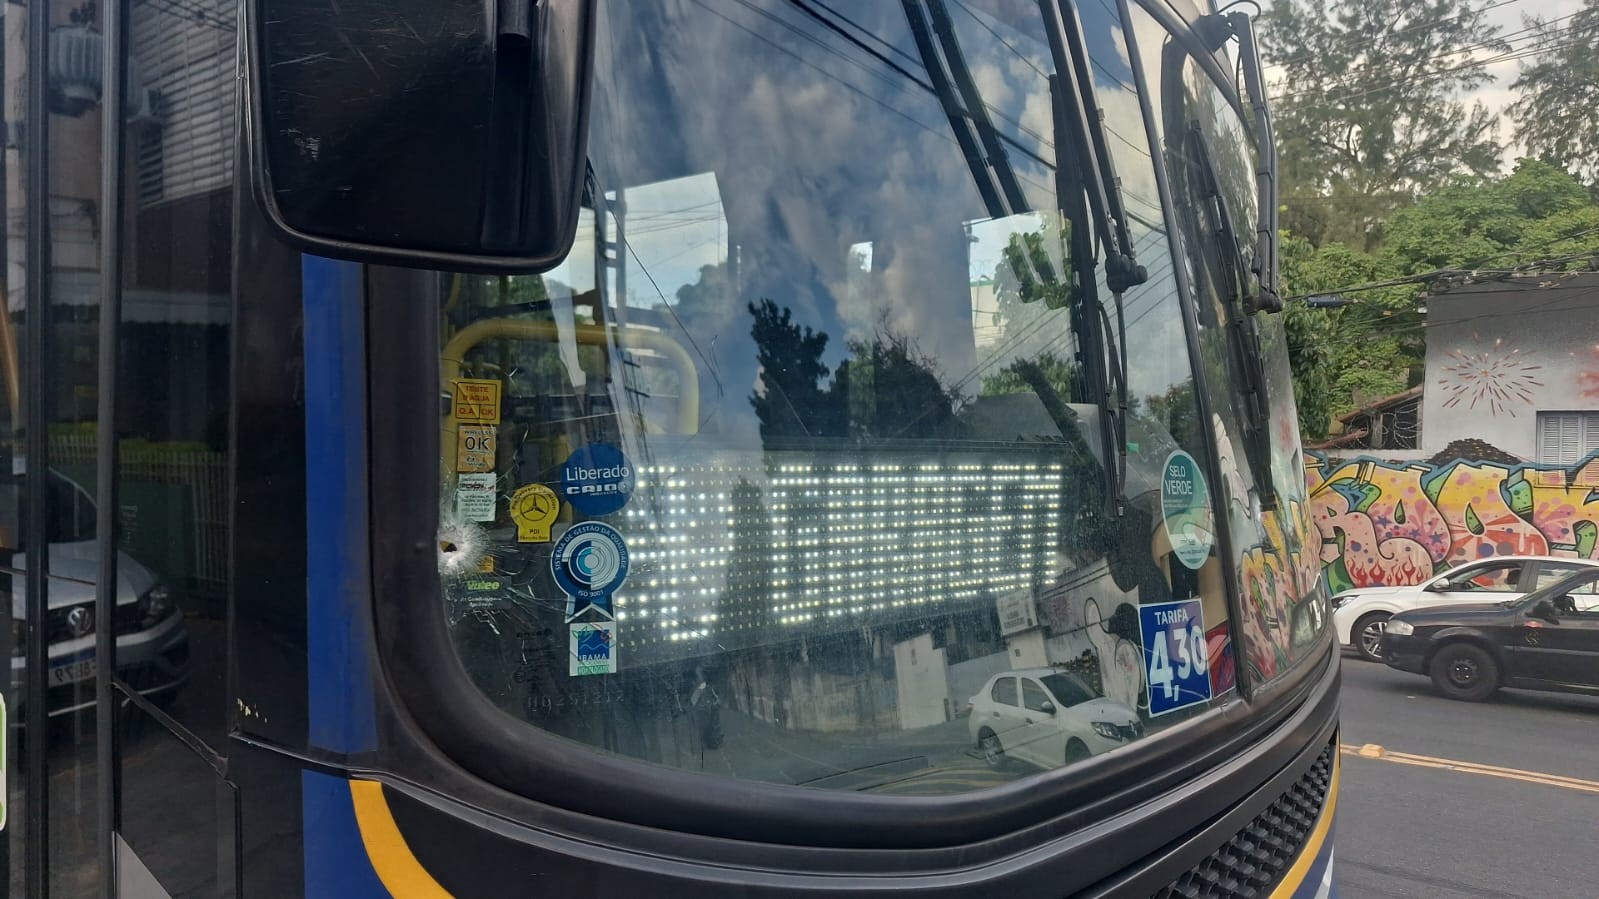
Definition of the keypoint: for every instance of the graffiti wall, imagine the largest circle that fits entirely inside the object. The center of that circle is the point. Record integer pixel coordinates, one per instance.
(1397, 523)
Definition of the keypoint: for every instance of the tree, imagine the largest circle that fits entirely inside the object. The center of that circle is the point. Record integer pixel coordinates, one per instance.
(1369, 111)
(791, 401)
(1557, 93)
(888, 390)
(1061, 375)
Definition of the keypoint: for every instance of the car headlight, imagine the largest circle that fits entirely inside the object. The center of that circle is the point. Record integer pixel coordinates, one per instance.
(155, 605)
(1399, 628)
(1107, 730)
(1338, 601)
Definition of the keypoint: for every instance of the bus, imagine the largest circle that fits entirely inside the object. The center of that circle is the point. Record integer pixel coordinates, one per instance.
(698, 447)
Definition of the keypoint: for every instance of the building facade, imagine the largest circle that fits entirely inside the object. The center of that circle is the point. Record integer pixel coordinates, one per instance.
(1515, 363)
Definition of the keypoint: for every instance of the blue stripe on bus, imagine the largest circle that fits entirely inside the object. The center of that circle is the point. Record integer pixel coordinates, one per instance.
(336, 863)
(338, 670)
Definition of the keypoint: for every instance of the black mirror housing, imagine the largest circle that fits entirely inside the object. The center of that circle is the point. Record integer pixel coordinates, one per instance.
(432, 133)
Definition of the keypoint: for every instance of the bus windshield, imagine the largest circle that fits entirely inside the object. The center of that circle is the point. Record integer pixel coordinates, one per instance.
(799, 447)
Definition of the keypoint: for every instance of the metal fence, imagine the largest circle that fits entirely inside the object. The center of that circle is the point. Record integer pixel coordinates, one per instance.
(203, 472)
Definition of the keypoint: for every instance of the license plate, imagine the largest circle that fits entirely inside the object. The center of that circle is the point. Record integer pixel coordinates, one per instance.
(72, 672)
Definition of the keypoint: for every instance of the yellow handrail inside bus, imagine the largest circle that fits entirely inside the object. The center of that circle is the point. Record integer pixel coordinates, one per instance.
(454, 356)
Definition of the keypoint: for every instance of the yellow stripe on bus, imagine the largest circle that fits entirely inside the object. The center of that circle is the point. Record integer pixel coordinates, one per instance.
(392, 859)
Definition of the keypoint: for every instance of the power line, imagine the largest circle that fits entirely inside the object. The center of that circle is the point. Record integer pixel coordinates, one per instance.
(1361, 37)
(1533, 48)
(1470, 319)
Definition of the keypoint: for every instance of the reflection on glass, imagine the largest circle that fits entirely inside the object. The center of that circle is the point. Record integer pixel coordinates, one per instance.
(1208, 154)
(793, 470)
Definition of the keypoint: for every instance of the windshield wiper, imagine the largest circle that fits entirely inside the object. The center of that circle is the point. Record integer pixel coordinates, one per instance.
(980, 143)
(1243, 332)
(1266, 226)
(1086, 190)
(1085, 180)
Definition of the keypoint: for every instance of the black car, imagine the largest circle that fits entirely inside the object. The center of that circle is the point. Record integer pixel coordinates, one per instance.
(1546, 640)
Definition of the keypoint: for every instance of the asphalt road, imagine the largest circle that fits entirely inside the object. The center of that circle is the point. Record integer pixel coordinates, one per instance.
(1521, 821)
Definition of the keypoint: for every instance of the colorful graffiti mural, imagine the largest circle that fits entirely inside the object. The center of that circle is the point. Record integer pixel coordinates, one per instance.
(1397, 523)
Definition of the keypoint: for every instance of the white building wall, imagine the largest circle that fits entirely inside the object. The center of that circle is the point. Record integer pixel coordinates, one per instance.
(1499, 353)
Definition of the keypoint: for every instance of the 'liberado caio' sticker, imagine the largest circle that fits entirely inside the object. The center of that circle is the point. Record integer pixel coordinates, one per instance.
(597, 479)
(589, 563)
(1185, 509)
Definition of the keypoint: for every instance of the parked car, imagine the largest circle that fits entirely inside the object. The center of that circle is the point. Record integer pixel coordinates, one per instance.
(1360, 614)
(1546, 640)
(151, 640)
(1047, 718)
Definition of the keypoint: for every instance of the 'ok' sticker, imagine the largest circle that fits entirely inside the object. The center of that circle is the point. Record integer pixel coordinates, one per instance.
(534, 508)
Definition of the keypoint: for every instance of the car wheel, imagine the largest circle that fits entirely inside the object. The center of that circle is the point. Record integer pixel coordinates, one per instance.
(1368, 635)
(993, 753)
(1465, 671)
(1076, 750)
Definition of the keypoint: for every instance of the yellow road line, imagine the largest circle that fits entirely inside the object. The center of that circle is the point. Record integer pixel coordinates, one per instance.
(1379, 753)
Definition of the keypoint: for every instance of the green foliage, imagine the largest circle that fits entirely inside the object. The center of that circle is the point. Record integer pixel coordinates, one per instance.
(1368, 109)
(1557, 93)
(1486, 221)
(1060, 374)
(1029, 275)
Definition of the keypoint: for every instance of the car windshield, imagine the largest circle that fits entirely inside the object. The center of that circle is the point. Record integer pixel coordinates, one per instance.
(1068, 690)
(70, 516)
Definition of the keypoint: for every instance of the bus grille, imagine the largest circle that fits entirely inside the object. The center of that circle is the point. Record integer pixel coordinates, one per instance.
(1255, 859)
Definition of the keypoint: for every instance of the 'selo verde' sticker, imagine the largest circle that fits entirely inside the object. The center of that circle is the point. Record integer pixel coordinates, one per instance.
(1185, 510)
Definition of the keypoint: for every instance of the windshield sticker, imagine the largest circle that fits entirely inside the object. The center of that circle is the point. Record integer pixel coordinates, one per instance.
(474, 449)
(477, 401)
(475, 496)
(589, 563)
(593, 649)
(597, 479)
(1176, 656)
(534, 508)
(1185, 510)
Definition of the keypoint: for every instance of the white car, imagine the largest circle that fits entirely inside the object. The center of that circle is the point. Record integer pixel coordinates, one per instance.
(1048, 718)
(1361, 614)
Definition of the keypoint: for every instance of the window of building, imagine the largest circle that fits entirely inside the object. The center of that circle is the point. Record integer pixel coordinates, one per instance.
(1566, 438)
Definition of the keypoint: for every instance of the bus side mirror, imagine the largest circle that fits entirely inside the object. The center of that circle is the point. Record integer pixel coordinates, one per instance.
(444, 134)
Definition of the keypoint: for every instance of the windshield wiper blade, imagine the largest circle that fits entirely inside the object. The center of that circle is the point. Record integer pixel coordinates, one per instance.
(945, 64)
(1267, 263)
(1085, 178)
(1242, 329)
(1070, 54)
